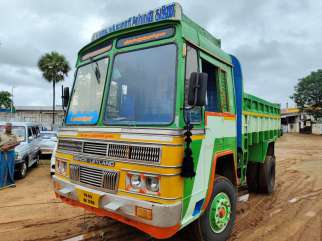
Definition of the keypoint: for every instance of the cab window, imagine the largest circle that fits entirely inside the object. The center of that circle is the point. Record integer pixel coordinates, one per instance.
(191, 66)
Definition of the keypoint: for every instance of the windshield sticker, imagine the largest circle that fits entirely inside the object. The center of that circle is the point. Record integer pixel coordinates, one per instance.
(167, 12)
(82, 118)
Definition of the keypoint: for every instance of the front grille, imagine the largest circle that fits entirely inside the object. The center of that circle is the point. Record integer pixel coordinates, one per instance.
(117, 150)
(95, 148)
(74, 172)
(113, 150)
(145, 153)
(99, 178)
(110, 180)
(70, 145)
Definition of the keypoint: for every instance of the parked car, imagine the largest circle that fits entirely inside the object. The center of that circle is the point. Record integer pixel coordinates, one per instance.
(27, 152)
(52, 161)
(48, 142)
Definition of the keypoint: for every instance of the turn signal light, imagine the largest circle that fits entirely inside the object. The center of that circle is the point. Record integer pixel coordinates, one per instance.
(143, 213)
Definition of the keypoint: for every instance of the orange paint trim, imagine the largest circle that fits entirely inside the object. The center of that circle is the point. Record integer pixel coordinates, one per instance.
(226, 115)
(213, 174)
(156, 232)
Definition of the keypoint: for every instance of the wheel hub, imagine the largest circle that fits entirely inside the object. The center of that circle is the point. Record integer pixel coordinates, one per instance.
(220, 212)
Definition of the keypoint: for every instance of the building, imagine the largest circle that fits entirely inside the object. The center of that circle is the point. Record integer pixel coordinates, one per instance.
(296, 121)
(39, 114)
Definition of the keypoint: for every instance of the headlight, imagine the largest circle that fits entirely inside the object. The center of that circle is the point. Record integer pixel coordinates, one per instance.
(152, 184)
(61, 167)
(143, 183)
(136, 181)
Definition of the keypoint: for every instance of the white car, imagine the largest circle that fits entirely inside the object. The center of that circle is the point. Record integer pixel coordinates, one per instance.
(52, 161)
(27, 152)
(48, 142)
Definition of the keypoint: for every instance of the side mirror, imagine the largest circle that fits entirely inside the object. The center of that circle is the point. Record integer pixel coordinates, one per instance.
(65, 96)
(197, 89)
(30, 138)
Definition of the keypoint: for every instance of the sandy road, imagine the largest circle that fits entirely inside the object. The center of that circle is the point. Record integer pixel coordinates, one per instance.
(31, 212)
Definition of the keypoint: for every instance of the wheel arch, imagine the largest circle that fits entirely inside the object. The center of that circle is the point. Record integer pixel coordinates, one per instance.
(224, 164)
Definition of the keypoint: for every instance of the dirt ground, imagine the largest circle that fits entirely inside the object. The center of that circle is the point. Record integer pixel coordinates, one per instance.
(294, 212)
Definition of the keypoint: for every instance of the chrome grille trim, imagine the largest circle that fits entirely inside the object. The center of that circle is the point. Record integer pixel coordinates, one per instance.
(104, 180)
(135, 152)
(70, 145)
(118, 150)
(145, 153)
(95, 148)
(74, 172)
(109, 180)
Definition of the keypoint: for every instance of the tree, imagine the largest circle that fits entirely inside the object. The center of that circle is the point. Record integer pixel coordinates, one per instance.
(308, 94)
(54, 68)
(5, 100)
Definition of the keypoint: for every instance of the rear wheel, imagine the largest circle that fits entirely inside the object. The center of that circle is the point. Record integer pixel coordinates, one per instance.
(267, 175)
(252, 176)
(217, 221)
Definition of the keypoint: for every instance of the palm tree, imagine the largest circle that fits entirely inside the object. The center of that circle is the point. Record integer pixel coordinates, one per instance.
(54, 68)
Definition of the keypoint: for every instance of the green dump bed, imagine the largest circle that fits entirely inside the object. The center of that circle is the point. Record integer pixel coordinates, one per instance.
(260, 126)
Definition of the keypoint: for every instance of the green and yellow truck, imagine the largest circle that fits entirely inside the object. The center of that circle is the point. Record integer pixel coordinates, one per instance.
(159, 133)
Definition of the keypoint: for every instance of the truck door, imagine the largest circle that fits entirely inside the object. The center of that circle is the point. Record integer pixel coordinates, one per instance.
(219, 110)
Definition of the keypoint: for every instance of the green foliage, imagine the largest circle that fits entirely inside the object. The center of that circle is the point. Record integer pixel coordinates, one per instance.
(54, 66)
(5, 100)
(308, 94)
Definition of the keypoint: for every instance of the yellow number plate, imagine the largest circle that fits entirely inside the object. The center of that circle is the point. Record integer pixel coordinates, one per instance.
(88, 198)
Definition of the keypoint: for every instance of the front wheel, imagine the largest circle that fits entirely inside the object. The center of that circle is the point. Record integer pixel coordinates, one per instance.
(217, 221)
(22, 171)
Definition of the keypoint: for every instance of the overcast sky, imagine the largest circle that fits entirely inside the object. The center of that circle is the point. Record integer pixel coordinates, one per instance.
(277, 42)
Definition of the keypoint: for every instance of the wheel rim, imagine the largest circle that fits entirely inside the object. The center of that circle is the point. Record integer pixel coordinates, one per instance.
(23, 169)
(220, 212)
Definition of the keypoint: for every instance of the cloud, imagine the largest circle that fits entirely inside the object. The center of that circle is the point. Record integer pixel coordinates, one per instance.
(277, 42)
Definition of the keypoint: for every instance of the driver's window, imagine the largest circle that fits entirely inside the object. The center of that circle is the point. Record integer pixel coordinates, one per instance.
(192, 66)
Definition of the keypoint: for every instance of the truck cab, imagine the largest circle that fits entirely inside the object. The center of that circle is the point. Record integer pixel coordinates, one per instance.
(150, 135)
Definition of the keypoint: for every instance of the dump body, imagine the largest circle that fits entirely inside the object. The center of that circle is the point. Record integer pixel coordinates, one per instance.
(261, 122)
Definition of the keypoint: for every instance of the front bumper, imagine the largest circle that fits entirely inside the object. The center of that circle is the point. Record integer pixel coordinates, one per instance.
(164, 216)
(46, 150)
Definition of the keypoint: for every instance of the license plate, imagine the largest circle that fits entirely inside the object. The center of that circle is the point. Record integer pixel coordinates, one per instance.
(88, 198)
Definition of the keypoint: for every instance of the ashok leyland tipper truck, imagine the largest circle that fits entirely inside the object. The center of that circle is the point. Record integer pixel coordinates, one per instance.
(159, 133)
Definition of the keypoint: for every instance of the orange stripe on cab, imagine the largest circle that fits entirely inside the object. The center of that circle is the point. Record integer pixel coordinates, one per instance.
(226, 115)
(212, 176)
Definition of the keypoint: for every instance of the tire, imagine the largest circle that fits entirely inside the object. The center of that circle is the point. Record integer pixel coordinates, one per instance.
(252, 176)
(22, 171)
(267, 175)
(206, 228)
(36, 164)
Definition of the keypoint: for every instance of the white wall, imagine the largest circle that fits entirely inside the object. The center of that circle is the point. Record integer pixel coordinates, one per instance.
(317, 129)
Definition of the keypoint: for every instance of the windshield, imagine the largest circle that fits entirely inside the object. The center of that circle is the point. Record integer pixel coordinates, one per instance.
(88, 90)
(18, 131)
(142, 88)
